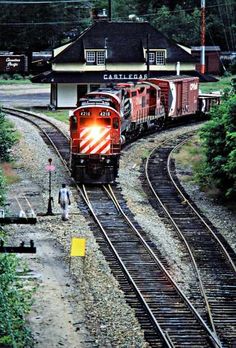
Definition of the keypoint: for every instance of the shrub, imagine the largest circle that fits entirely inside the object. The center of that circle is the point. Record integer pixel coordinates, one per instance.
(7, 137)
(17, 77)
(2, 188)
(5, 77)
(14, 305)
(219, 142)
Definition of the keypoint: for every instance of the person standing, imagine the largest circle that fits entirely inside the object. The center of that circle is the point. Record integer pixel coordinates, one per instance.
(64, 201)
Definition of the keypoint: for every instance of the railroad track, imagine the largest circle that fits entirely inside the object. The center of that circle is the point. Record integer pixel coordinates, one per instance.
(210, 254)
(165, 314)
(51, 134)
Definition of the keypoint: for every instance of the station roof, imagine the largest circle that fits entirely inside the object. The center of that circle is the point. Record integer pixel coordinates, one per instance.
(125, 43)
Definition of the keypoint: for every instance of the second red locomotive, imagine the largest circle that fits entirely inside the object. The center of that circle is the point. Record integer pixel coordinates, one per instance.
(108, 117)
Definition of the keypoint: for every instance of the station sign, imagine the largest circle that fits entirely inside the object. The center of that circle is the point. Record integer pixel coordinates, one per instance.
(13, 63)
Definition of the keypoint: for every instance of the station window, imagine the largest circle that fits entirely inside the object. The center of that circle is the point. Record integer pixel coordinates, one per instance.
(94, 87)
(100, 57)
(95, 57)
(90, 57)
(157, 57)
(160, 57)
(152, 58)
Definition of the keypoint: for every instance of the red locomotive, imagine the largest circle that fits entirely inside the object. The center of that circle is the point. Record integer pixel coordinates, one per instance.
(108, 117)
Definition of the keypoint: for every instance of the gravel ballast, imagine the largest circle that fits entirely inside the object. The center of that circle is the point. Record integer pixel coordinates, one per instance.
(104, 319)
(101, 316)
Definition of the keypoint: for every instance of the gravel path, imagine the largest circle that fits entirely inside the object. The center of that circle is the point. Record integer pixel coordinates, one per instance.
(94, 310)
(85, 308)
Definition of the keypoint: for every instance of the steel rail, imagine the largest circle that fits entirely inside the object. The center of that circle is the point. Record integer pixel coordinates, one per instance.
(164, 335)
(212, 334)
(32, 114)
(158, 327)
(195, 211)
(15, 113)
(202, 289)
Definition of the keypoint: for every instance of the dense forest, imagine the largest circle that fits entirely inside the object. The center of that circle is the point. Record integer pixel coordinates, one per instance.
(37, 25)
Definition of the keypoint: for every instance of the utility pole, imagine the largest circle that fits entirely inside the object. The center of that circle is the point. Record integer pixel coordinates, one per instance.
(147, 57)
(109, 10)
(203, 34)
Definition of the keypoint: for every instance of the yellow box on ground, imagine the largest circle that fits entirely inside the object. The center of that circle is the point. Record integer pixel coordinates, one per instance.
(77, 246)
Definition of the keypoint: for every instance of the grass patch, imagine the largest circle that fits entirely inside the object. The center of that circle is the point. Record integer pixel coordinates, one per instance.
(9, 174)
(190, 155)
(224, 82)
(15, 82)
(61, 115)
(190, 158)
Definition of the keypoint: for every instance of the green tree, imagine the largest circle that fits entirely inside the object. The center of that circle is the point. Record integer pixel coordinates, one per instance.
(219, 143)
(33, 27)
(178, 25)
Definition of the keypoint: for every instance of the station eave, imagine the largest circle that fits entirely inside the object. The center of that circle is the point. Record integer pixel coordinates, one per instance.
(109, 76)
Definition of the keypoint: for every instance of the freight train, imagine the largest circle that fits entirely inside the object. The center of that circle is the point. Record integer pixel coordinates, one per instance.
(108, 117)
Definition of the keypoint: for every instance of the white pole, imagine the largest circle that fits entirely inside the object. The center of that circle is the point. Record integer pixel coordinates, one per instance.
(203, 34)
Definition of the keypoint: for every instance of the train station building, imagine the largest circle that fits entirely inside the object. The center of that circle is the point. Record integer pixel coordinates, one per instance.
(111, 52)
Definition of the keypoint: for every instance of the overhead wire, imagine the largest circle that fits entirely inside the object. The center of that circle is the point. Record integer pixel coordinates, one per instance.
(89, 3)
(43, 23)
(30, 2)
(223, 24)
(229, 24)
(217, 52)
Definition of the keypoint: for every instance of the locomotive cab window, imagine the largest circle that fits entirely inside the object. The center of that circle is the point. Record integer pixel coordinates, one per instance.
(115, 123)
(73, 122)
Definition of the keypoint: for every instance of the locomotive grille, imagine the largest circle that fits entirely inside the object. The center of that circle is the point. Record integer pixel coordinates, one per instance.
(95, 140)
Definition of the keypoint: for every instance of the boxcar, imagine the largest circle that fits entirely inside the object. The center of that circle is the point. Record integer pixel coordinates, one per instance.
(179, 94)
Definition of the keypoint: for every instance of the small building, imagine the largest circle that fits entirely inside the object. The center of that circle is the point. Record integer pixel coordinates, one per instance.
(212, 59)
(110, 52)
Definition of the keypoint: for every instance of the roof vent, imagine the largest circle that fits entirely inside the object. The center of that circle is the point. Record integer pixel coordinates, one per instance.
(99, 14)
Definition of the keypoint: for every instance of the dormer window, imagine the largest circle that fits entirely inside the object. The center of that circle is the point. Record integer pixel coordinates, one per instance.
(95, 57)
(157, 57)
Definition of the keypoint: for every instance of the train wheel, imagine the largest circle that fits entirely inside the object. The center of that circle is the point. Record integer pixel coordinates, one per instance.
(160, 123)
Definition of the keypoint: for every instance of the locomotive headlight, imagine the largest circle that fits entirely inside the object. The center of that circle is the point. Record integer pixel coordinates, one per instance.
(95, 132)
